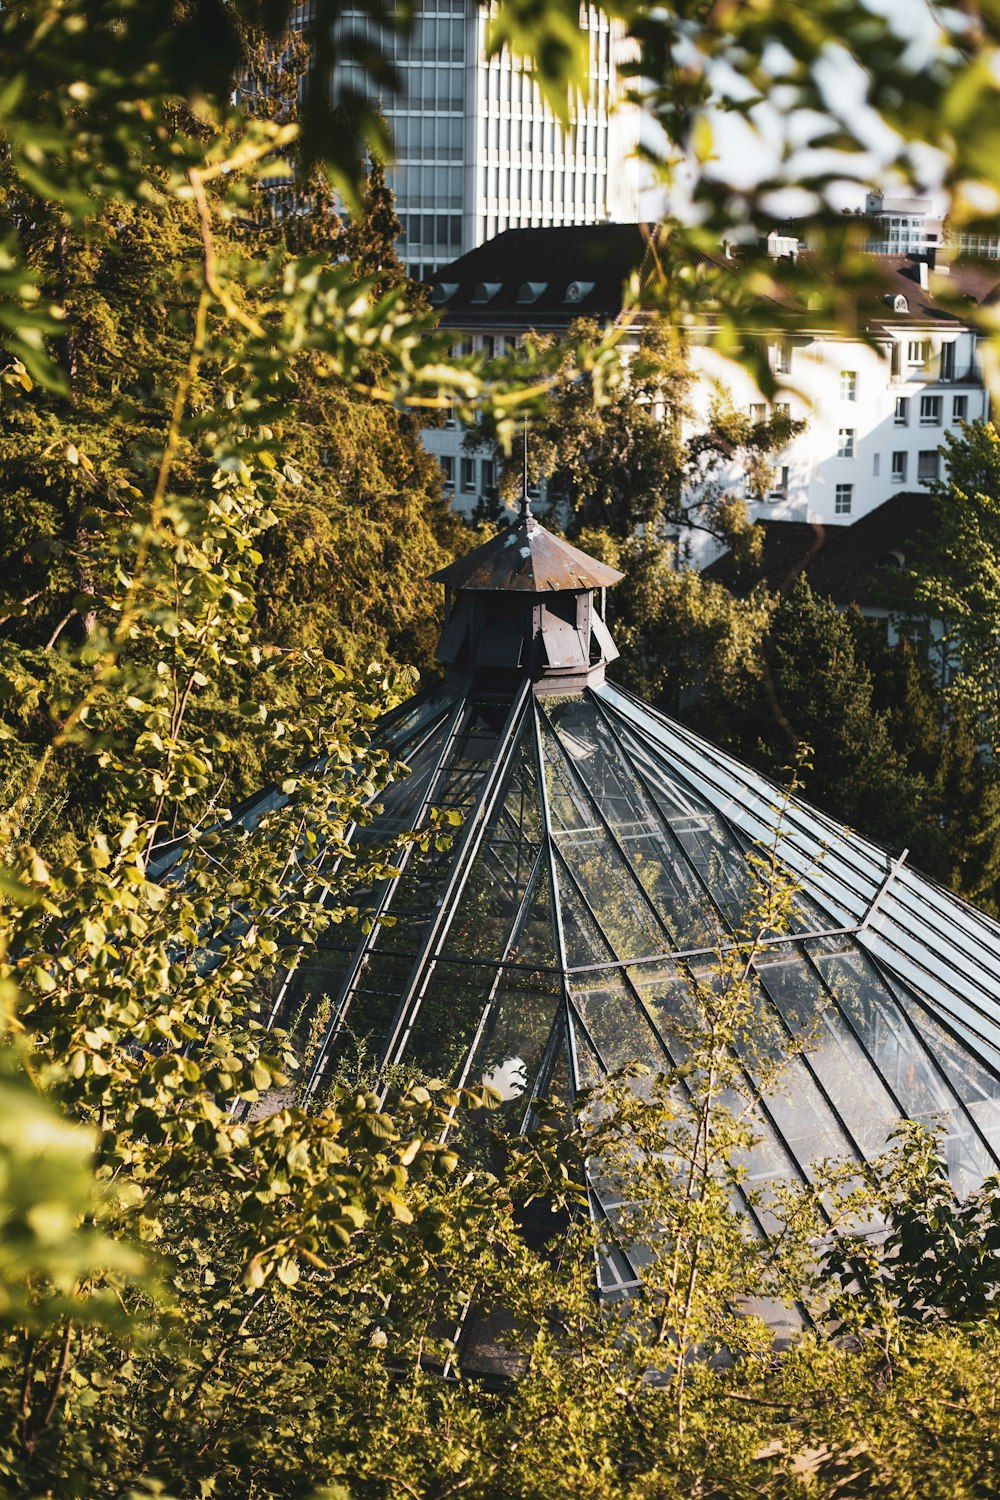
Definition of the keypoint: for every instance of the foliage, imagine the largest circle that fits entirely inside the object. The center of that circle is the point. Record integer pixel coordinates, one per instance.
(883, 752)
(633, 458)
(287, 1282)
(956, 578)
(681, 634)
(939, 1260)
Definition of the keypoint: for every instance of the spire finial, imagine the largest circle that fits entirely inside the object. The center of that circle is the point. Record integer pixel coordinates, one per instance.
(524, 511)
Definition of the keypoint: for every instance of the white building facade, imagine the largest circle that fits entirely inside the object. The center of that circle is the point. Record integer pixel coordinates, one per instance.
(476, 149)
(875, 417)
(875, 413)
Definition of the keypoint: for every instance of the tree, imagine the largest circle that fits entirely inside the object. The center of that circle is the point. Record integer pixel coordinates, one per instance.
(780, 677)
(630, 457)
(956, 578)
(312, 1263)
(682, 636)
(339, 562)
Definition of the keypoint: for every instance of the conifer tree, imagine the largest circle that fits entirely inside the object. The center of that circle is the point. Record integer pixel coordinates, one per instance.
(954, 583)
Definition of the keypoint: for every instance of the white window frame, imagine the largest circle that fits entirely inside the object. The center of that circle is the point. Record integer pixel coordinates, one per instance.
(848, 385)
(901, 416)
(931, 411)
(845, 442)
(899, 466)
(843, 500)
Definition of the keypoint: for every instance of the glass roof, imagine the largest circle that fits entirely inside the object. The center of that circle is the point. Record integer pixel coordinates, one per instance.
(601, 860)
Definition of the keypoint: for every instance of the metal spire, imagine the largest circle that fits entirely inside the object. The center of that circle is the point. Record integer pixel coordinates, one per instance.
(524, 510)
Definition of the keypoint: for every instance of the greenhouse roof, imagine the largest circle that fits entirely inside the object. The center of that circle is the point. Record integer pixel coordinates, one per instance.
(602, 862)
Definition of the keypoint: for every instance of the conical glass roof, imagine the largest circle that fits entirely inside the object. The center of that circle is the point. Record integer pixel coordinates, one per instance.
(602, 857)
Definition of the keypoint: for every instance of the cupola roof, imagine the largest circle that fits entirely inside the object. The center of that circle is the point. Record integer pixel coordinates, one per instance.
(525, 558)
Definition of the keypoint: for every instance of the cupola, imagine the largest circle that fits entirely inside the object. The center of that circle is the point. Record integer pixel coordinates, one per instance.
(526, 604)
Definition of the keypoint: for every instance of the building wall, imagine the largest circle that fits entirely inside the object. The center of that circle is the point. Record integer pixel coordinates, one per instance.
(478, 152)
(857, 448)
(875, 416)
(902, 226)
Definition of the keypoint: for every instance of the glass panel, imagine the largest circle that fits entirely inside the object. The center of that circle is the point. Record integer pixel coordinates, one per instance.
(899, 1037)
(596, 870)
(502, 1011)
(373, 1003)
(418, 893)
(504, 862)
(404, 724)
(711, 848)
(979, 1093)
(834, 1054)
(653, 850)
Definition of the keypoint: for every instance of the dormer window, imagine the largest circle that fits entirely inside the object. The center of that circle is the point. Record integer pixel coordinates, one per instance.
(486, 291)
(530, 291)
(442, 292)
(899, 303)
(577, 290)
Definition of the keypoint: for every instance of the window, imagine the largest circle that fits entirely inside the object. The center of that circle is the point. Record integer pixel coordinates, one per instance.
(930, 411)
(959, 408)
(843, 500)
(468, 476)
(947, 361)
(448, 469)
(902, 417)
(918, 351)
(845, 442)
(848, 385)
(899, 467)
(780, 489)
(927, 466)
(488, 345)
(781, 357)
(876, 461)
(758, 412)
(783, 409)
(488, 475)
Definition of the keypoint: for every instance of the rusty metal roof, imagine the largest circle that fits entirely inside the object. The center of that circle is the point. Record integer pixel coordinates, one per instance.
(525, 558)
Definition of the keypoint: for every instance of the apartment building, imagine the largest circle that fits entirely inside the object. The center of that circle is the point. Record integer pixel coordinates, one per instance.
(876, 411)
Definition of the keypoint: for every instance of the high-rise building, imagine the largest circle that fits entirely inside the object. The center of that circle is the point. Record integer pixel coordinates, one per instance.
(476, 149)
(902, 226)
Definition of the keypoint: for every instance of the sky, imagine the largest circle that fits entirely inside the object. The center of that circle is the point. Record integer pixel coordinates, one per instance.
(748, 152)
